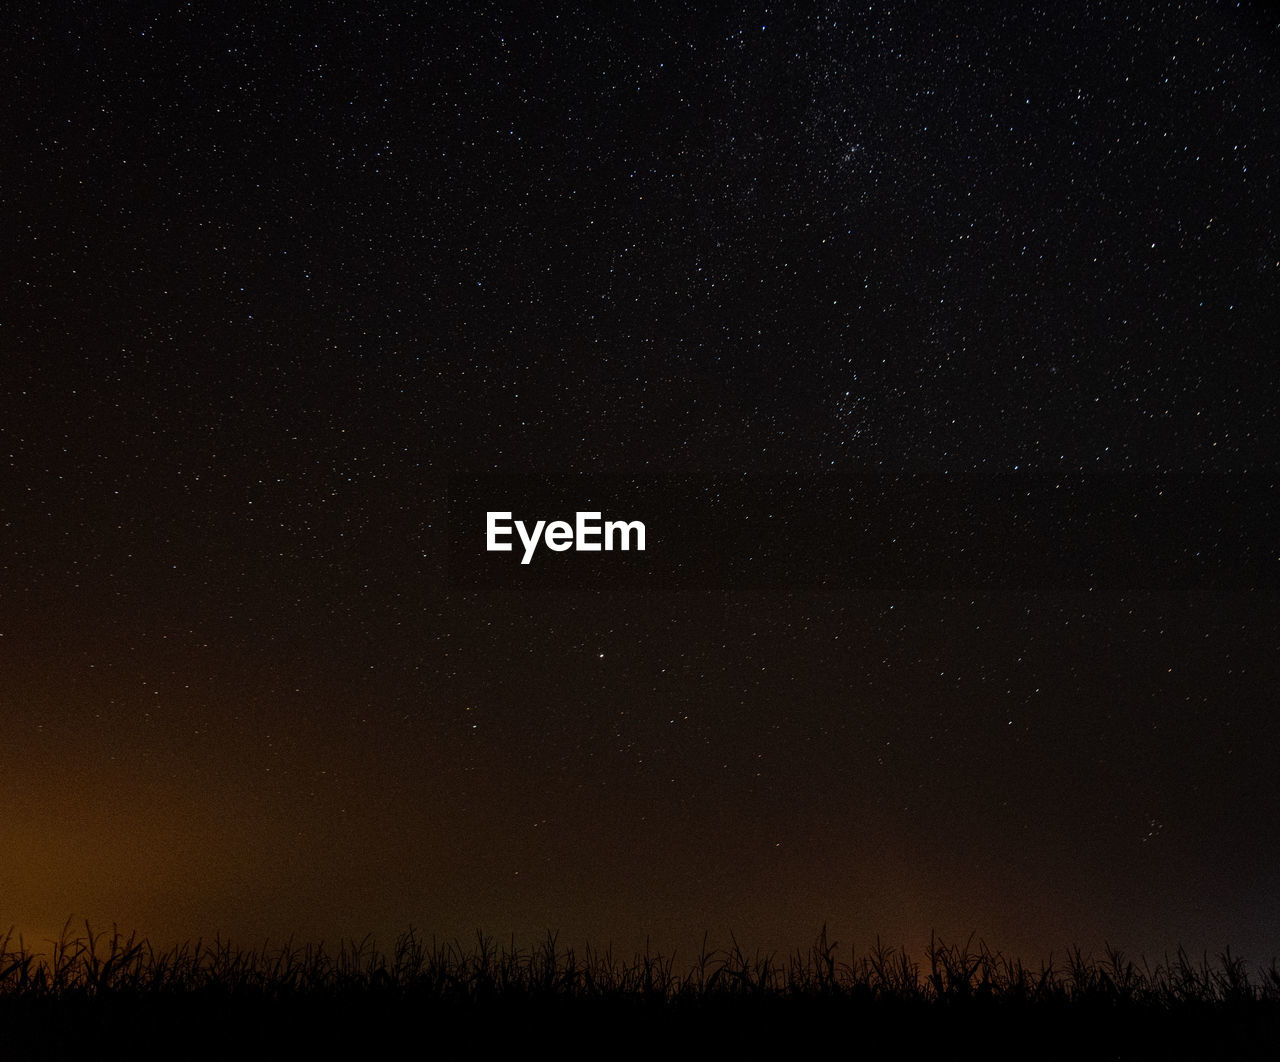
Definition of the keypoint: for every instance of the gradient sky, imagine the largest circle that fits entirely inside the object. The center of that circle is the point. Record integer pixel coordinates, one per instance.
(934, 344)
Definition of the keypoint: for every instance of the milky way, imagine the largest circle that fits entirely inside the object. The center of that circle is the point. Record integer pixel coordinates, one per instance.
(934, 347)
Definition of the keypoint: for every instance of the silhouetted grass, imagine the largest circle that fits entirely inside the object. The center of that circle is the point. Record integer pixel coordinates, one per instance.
(110, 994)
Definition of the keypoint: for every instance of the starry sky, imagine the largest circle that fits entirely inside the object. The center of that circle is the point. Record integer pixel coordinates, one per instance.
(934, 344)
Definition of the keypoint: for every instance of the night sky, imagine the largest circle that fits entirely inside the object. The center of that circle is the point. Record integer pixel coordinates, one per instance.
(935, 345)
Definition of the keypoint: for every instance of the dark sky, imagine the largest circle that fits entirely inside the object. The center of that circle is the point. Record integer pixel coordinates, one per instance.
(934, 344)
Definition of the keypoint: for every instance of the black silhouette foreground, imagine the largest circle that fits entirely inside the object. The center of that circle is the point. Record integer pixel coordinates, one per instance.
(106, 995)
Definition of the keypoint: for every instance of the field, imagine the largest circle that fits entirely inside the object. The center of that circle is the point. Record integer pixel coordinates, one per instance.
(105, 994)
